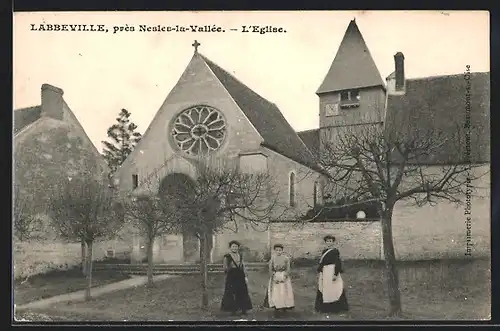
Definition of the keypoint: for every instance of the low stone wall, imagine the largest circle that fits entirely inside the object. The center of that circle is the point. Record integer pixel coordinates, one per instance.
(355, 239)
(420, 233)
(428, 232)
(440, 231)
(253, 238)
(31, 258)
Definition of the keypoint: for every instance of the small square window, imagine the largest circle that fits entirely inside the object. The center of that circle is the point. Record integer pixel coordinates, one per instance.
(349, 99)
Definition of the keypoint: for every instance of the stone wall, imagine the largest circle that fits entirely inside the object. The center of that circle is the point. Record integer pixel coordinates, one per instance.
(40, 257)
(355, 240)
(428, 232)
(254, 239)
(439, 231)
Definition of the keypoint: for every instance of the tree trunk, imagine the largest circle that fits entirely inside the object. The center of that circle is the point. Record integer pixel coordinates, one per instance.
(390, 263)
(150, 261)
(204, 252)
(89, 270)
(84, 257)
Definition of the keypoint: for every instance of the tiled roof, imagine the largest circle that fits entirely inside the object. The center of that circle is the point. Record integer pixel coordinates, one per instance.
(311, 139)
(25, 116)
(265, 116)
(439, 104)
(353, 66)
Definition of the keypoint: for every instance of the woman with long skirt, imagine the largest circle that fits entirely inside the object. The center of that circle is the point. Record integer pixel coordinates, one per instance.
(236, 297)
(331, 296)
(279, 294)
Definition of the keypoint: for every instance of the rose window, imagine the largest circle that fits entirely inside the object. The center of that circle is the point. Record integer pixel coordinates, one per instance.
(199, 130)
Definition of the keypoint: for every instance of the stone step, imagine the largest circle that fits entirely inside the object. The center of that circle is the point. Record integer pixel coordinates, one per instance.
(169, 269)
(166, 266)
(172, 272)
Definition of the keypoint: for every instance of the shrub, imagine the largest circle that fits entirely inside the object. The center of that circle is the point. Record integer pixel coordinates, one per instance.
(116, 260)
(254, 256)
(27, 270)
(323, 213)
(304, 262)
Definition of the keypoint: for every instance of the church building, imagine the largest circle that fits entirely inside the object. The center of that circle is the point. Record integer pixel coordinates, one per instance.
(211, 110)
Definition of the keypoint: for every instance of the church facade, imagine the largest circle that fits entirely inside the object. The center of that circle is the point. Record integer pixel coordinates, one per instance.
(238, 124)
(247, 129)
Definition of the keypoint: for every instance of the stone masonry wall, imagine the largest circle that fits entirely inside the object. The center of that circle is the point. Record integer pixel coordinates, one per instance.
(40, 257)
(428, 232)
(355, 240)
(431, 232)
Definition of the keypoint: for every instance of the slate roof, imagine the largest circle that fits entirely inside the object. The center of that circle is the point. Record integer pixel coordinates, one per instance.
(265, 116)
(353, 66)
(25, 116)
(439, 103)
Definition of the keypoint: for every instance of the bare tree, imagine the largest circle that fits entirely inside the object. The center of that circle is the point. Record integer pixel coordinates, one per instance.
(26, 226)
(370, 164)
(219, 198)
(85, 208)
(152, 216)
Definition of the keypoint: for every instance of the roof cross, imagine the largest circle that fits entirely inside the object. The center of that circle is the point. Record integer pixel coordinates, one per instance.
(195, 45)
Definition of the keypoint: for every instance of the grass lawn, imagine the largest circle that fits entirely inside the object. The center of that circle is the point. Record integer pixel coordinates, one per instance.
(440, 290)
(59, 282)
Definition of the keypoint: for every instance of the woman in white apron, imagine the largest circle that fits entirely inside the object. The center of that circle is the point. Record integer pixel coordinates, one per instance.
(279, 294)
(330, 297)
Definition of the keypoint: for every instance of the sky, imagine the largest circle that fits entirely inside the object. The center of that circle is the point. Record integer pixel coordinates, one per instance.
(101, 73)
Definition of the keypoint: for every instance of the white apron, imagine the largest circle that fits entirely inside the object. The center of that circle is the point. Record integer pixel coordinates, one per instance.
(329, 288)
(280, 295)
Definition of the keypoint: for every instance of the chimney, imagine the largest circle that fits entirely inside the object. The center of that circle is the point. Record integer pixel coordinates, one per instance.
(399, 61)
(52, 102)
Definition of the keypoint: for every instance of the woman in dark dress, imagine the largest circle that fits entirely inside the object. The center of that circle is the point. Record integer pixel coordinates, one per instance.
(236, 297)
(331, 296)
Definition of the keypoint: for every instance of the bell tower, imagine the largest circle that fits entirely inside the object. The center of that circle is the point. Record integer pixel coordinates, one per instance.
(352, 92)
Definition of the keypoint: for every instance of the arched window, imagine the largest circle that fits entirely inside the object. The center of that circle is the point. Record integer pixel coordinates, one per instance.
(315, 197)
(292, 189)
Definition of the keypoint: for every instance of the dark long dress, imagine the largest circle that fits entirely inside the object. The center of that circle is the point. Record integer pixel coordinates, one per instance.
(341, 305)
(236, 295)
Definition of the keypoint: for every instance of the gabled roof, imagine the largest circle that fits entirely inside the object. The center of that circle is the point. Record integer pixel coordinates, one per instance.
(265, 116)
(311, 139)
(353, 66)
(25, 116)
(439, 104)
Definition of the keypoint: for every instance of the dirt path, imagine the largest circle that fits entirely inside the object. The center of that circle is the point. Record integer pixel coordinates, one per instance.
(79, 295)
